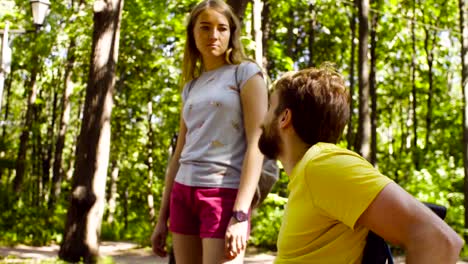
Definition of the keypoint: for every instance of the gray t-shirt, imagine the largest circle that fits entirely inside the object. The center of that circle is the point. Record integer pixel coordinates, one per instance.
(215, 142)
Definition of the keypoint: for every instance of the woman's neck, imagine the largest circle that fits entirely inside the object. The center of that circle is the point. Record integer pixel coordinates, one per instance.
(209, 65)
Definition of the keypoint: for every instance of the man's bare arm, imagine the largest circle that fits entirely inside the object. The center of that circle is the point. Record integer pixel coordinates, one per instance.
(402, 220)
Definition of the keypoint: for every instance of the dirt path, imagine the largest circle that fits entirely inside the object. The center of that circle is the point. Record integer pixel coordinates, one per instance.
(121, 252)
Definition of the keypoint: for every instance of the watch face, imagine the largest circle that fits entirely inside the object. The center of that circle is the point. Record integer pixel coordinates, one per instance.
(240, 216)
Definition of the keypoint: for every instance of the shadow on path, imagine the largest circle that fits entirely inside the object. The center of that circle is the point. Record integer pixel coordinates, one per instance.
(121, 253)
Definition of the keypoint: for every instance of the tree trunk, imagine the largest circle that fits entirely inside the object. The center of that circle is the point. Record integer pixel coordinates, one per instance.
(85, 211)
(311, 33)
(48, 149)
(257, 30)
(464, 57)
(430, 92)
(125, 208)
(373, 88)
(350, 133)
(266, 29)
(239, 6)
(24, 138)
(429, 43)
(149, 163)
(414, 94)
(64, 121)
(71, 162)
(112, 201)
(33, 185)
(8, 82)
(290, 36)
(364, 125)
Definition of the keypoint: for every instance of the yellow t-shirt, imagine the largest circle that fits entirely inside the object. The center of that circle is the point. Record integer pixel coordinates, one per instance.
(330, 187)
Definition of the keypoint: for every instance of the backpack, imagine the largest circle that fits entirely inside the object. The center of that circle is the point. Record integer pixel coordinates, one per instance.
(270, 171)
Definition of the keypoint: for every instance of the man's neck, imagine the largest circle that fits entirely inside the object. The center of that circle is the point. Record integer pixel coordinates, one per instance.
(293, 151)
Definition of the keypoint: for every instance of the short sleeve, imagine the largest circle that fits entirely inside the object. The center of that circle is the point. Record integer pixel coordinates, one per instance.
(185, 91)
(246, 71)
(343, 185)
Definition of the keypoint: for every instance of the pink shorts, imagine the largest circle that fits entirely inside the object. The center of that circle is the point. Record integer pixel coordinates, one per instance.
(199, 211)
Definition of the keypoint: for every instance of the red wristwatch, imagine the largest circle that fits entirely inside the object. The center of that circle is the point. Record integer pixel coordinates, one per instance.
(240, 216)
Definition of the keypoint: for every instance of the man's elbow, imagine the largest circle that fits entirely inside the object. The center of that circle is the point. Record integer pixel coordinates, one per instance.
(435, 246)
(452, 244)
(457, 244)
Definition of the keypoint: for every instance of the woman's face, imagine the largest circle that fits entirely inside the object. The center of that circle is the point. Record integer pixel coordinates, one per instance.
(211, 33)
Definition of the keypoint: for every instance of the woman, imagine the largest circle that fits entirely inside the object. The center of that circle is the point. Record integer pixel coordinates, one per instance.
(211, 179)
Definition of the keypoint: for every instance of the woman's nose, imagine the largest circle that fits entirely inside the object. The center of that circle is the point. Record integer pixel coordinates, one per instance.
(214, 33)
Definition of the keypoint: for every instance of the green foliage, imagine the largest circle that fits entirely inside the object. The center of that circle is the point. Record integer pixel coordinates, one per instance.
(27, 225)
(266, 222)
(147, 104)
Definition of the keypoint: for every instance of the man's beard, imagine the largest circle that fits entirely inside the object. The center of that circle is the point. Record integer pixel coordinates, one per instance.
(269, 140)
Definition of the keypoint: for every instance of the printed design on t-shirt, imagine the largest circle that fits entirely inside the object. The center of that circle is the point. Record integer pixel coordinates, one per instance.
(236, 125)
(217, 104)
(217, 144)
(190, 108)
(234, 88)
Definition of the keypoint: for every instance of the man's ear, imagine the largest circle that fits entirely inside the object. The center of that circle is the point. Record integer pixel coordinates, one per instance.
(285, 118)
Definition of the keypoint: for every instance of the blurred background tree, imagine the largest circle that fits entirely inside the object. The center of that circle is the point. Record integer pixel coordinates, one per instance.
(405, 62)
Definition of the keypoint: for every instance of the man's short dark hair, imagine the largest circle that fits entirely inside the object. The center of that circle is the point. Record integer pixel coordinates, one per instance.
(319, 102)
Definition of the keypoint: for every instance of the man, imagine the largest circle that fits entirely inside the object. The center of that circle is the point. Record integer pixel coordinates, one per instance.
(336, 196)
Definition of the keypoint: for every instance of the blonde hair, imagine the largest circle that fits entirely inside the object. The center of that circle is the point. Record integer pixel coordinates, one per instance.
(192, 64)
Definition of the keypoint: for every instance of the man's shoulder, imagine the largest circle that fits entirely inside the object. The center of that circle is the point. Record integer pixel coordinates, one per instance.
(328, 162)
(327, 152)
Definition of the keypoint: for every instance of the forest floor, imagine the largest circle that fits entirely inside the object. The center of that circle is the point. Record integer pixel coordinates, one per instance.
(120, 253)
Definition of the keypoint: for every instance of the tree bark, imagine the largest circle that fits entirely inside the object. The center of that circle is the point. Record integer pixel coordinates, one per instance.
(8, 82)
(429, 43)
(257, 30)
(364, 124)
(64, 121)
(350, 132)
(373, 88)
(311, 33)
(24, 138)
(48, 149)
(290, 36)
(239, 6)
(266, 28)
(149, 163)
(414, 93)
(85, 211)
(112, 201)
(464, 57)
(430, 92)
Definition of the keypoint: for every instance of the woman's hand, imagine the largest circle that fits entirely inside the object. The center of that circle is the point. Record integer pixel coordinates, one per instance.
(158, 238)
(236, 238)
